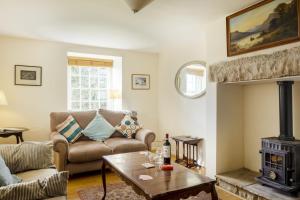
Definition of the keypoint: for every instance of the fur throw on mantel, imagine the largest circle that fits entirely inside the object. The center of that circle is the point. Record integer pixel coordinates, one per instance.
(267, 66)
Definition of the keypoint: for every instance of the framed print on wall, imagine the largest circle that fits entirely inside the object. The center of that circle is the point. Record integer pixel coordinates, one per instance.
(28, 75)
(266, 24)
(140, 81)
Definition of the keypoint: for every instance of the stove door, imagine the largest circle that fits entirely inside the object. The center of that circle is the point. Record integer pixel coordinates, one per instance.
(274, 165)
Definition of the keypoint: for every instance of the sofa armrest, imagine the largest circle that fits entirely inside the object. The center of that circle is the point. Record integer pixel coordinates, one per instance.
(146, 136)
(61, 150)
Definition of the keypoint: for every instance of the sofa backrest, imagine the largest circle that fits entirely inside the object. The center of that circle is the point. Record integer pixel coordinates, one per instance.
(84, 117)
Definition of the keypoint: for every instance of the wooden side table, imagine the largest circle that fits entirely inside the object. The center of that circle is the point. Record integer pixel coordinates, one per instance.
(190, 148)
(18, 132)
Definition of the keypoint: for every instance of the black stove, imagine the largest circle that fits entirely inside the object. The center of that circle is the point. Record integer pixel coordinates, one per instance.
(281, 155)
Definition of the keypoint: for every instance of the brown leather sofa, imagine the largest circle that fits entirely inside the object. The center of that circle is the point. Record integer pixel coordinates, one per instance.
(85, 154)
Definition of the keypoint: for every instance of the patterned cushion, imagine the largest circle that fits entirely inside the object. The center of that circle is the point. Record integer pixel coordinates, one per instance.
(51, 186)
(128, 126)
(6, 178)
(27, 156)
(70, 129)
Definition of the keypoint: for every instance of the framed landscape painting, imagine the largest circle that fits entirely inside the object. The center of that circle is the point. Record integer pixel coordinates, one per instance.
(266, 24)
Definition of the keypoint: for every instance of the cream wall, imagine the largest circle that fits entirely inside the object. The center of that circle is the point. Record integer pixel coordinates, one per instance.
(30, 106)
(257, 109)
(179, 115)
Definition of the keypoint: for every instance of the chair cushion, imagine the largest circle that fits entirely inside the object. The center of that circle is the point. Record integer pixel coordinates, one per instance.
(51, 186)
(27, 155)
(70, 129)
(98, 129)
(124, 145)
(36, 174)
(85, 151)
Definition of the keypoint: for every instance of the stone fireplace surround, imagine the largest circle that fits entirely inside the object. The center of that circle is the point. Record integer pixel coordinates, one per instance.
(280, 64)
(285, 63)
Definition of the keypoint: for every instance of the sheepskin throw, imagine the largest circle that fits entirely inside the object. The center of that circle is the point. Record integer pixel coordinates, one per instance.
(267, 66)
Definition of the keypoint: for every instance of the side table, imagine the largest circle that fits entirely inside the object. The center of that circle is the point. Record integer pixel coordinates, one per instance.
(190, 148)
(18, 132)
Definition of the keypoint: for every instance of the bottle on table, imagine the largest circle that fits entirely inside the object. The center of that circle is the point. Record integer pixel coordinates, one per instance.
(167, 151)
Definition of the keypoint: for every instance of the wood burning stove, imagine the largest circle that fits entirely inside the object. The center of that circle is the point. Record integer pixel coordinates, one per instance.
(281, 156)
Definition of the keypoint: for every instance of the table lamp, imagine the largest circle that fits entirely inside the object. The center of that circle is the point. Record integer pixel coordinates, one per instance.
(3, 101)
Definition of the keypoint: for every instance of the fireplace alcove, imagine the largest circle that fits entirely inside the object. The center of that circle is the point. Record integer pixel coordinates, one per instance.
(247, 110)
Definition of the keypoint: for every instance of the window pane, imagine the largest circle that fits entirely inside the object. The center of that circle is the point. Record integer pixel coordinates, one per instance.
(75, 82)
(75, 70)
(103, 83)
(84, 82)
(94, 105)
(95, 95)
(76, 95)
(103, 95)
(94, 71)
(85, 95)
(94, 82)
(75, 105)
(103, 105)
(85, 71)
(85, 106)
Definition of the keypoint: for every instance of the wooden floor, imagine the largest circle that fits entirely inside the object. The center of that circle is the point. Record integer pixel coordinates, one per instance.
(79, 181)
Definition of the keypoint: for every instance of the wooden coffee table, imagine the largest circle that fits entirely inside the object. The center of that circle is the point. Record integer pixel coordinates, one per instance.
(180, 183)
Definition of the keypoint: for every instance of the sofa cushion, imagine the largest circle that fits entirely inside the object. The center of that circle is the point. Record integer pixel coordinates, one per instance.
(85, 151)
(128, 127)
(70, 129)
(113, 117)
(36, 174)
(83, 118)
(98, 129)
(124, 145)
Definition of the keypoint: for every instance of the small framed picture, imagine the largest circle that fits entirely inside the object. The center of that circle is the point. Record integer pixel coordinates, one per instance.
(140, 81)
(28, 75)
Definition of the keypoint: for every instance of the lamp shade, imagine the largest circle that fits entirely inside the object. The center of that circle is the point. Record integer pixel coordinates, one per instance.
(3, 100)
(137, 5)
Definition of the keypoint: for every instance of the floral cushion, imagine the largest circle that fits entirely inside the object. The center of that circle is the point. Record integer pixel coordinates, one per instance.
(128, 126)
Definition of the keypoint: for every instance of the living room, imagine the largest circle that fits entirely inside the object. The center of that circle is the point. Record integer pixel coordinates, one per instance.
(137, 52)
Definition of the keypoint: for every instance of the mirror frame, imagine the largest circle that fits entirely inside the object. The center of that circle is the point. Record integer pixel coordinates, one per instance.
(178, 73)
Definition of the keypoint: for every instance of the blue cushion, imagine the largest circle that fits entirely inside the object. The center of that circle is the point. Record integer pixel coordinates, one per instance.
(98, 129)
(6, 178)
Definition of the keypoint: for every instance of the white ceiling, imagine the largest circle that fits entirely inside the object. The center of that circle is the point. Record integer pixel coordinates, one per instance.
(110, 23)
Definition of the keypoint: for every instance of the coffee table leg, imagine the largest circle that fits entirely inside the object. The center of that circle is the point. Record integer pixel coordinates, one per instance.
(214, 195)
(103, 179)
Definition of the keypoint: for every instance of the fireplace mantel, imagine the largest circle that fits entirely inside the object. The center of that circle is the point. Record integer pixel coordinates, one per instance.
(280, 64)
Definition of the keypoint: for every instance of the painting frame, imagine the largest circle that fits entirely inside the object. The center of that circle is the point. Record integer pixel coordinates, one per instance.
(262, 46)
(26, 75)
(137, 85)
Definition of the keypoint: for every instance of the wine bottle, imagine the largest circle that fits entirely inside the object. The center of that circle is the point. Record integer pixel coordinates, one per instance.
(167, 151)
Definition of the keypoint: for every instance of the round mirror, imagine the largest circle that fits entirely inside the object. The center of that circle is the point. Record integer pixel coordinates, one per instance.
(190, 79)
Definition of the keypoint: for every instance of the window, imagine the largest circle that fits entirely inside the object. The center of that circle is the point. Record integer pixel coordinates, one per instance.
(90, 85)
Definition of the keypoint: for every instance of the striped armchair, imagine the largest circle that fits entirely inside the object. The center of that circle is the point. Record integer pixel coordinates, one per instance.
(32, 162)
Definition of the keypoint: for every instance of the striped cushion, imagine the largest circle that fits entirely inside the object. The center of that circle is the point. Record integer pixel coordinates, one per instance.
(70, 129)
(51, 186)
(27, 156)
